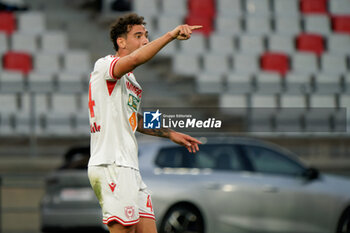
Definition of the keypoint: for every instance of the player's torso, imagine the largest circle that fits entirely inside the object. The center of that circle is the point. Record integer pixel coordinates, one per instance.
(113, 106)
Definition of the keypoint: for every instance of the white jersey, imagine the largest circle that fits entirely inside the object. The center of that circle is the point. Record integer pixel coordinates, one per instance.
(113, 105)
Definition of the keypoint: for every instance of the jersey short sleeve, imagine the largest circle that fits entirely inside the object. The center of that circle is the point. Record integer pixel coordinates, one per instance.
(104, 67)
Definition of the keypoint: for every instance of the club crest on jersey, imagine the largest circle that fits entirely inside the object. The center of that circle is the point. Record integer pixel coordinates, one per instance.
(112, 186)
(129, 211)
(151, 120)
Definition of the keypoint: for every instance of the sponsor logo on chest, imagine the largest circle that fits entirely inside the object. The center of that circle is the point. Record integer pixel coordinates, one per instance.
(136, 90)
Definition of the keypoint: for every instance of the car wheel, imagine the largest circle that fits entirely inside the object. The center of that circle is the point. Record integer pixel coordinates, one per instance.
(344, 222)
(182, 219)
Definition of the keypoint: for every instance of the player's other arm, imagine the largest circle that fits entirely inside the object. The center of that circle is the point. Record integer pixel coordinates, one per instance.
(182, 139)
(146, 52)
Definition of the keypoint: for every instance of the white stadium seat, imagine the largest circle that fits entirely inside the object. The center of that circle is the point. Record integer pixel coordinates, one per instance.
(209, 83)
(47, 62)
(229, 7)
(196, 45)
(338, 44)
(228, 25)
(281, 43)
(257, 7)
(339, 7)
(54, 42)
(176, 8)
(286, 7)
(22, 41)
(303, 62)
(31, 22)
(287, 25)
(77, 62)
(333, 64)
(318, 24)
(40, 82)
(221, 44)
(245, 63)
(4, 46)
(258, 25)
(252, 44)
(186, 64)
(214, 63)
(239, 83)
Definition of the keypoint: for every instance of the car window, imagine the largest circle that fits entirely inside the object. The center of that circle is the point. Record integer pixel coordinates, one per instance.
(219, 157)
(265, 160)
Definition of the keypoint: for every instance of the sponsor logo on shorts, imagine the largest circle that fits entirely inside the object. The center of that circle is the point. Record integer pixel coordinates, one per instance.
(129, 211)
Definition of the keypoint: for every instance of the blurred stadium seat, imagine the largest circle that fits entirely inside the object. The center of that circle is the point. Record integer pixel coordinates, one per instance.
(4, 46)
(281, 43)
(275, 62)
(313, 6)
(40, 82)
(341, 23)
(206, 22)
(18, 61)
(317, 24)
(7, 22)
(303, 62)
(209, 83)
(229, 8)
(280, 7)
(339, 7)
(310, 43)
(24, 42)
(54, 42)
(31, 22)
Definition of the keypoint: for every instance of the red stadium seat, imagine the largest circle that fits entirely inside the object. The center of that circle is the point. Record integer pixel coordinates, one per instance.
(310, 43)
(204, 8)
(18, 61)
(7, 22)
(207, 24)
(341, 23)
(313, 6)
(275, 62)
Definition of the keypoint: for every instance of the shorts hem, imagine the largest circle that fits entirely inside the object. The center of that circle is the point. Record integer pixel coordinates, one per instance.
(119, 220)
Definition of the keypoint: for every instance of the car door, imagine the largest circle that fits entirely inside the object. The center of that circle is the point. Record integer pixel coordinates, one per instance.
(284, 200)
(227, 190)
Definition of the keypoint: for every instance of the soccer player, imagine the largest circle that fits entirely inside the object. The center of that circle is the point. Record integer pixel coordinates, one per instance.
(114, 99)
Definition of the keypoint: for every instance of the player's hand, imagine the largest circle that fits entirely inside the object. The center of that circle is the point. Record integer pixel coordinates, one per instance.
(183, 32)
(185, 140)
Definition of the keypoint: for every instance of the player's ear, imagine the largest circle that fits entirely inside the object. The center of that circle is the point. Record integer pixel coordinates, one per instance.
(121, 42)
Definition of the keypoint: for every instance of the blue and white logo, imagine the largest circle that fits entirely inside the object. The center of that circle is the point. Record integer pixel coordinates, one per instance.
(151, 120)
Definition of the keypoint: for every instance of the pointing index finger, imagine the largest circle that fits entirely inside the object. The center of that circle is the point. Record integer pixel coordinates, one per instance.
(194, 27)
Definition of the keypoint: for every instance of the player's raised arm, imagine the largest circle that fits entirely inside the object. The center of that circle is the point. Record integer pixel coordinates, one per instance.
(129, 61)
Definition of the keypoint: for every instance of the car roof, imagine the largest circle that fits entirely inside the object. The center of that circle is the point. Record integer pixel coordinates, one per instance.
(214, 139)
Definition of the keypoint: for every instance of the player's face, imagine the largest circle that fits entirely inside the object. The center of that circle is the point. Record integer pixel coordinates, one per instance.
(136, 38)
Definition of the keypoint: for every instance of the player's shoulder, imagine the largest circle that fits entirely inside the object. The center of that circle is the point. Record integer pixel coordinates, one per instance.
(103, 61)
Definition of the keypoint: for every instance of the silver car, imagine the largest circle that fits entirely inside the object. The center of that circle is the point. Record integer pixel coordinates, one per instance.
(233, 185)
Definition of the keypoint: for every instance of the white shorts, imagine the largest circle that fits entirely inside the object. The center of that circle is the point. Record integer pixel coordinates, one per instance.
(122, 194)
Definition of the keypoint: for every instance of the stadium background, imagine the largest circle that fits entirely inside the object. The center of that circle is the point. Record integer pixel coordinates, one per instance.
(279, 62)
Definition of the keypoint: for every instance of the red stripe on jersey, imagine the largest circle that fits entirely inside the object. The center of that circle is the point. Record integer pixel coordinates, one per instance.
(112, 67)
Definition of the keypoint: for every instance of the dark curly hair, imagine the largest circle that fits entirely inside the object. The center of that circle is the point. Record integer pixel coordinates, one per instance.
(123, 25)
